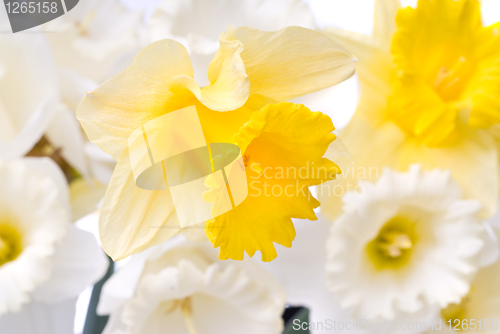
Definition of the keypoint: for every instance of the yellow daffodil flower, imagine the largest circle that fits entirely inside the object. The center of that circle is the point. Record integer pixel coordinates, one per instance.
(250, 74)
(430, 81)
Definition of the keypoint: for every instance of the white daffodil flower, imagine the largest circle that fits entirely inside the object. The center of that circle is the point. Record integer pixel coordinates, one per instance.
(479, 310)
(36, 101)
(301, 271)
(407, 244)
(181, 287)
(97, 38)
(45, 262)
(28, 92)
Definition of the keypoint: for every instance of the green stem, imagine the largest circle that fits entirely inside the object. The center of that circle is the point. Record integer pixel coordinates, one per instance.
(94, 324)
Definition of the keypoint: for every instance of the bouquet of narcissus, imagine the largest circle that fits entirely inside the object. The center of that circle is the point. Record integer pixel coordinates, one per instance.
(251, 76)
(174, 136)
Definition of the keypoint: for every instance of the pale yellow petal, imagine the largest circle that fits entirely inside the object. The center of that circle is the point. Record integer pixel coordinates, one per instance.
(369, 150)
(227, 74)
(473, 162)
(292, 61)
(229, 85)
(119, 106)
(133, 219)
(495, 133)
(384, 22)
(374, 68)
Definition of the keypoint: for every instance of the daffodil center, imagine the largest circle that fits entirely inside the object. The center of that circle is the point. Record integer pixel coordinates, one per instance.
(451, 78)
(392, 247)
(10, 244)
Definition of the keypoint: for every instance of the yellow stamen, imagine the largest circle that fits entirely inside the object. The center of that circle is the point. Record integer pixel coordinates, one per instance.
(84, 25)
(187, 313)
(393, 245)
(399, 243)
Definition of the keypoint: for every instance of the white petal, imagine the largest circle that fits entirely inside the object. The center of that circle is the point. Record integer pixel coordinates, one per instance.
(31, 131)
(491, 250)
(210, 18)
(46, 168)
(41, 217)
(41, 318)
(121, 286)
(101, 164)
(307, 286)
(225, 297)
(73, 87)
(77, 263)
(444, 258)
(65, 133)
(28, 91)
(94, 50)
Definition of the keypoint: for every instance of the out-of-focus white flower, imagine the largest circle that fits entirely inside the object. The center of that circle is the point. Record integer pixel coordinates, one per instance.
(301, 271)
(41, 318)
(407, 244)
(28, 92)
(97, 39)
(197, 23)
(181, 287)
(65, 131)
(37, 99)
(44, 260)
(479, 310)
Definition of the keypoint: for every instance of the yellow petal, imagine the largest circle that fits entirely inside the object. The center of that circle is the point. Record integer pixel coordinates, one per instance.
(292, 62)
(484, 87)
(418, 110)
(122, 104)
(133, 219)
(229, 85)
(384, 22)
(447, 64)
(435, 37)
(283, 145)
